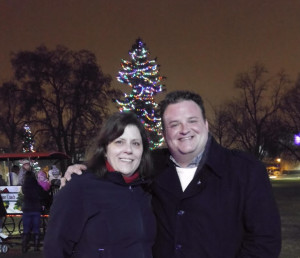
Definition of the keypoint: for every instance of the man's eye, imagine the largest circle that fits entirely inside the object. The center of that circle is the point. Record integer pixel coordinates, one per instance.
(193, 121)
(174, 125)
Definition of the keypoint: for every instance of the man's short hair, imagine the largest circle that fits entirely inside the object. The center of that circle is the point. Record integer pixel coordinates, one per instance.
(15, 168)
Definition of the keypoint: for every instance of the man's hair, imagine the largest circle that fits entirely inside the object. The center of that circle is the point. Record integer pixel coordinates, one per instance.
(15, 168)
(111, 130)
(179, 96)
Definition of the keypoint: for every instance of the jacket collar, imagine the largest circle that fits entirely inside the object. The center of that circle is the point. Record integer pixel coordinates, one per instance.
(117, 178)
(212, 157)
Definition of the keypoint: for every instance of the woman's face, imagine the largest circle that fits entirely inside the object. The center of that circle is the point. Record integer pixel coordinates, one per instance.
(125, 152)
(41, 177)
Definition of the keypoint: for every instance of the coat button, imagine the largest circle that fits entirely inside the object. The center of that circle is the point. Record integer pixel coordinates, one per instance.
(181, 212)
(178, 247)
(199, 182)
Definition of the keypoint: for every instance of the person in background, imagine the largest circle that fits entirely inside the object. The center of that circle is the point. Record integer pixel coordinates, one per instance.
(43, 181)
(54, 176)
(2, 181)
(209, 201)
(25, 166)
(107, 211)
(13, 176)
(46, 198)
(32, 207)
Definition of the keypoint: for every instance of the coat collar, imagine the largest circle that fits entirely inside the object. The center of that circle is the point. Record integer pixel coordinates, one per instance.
(213, 157)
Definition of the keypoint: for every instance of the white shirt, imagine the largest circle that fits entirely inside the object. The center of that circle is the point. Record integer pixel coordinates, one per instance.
(185, 175)
(12, 177)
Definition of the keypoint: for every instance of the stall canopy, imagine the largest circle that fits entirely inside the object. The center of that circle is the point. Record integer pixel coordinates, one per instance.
(33, 155)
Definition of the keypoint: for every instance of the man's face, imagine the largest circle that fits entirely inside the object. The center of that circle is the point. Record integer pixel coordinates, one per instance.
(185, 131)
(26, 166)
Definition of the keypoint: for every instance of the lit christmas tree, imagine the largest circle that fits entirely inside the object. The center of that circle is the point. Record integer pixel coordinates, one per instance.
(28, 143)
(142, 75)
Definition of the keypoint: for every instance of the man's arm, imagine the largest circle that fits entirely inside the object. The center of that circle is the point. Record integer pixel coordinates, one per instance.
(261, 217)
(77, 169)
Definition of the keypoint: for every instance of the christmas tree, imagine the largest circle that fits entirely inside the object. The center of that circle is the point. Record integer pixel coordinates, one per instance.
(142, 75)
(28, 143)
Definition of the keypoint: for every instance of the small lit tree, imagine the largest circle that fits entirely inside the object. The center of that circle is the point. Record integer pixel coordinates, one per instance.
(28, 142)
(28, 145)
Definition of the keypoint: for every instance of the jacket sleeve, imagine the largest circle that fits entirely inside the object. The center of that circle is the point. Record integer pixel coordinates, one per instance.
(66, 220)
(262, 236)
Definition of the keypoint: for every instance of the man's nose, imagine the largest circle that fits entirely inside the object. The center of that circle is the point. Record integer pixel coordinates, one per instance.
(184, 128)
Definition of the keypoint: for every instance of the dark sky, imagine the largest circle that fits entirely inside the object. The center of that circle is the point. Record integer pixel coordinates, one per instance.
(201, 45)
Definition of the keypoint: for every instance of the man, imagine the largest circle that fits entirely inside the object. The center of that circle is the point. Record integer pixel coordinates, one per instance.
(26, 166)
(208, 201)
(13, 176)
(54, 173)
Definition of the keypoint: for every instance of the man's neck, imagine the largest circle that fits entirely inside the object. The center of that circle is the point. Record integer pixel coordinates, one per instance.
(185, 161)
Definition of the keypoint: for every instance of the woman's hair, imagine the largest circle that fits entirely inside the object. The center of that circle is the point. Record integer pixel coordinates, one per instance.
(113, 128)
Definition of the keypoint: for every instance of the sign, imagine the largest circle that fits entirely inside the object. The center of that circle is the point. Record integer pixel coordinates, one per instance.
(11, 198)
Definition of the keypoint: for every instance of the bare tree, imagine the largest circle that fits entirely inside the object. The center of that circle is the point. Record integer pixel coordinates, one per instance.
(290, 122)
(14, 111)
(71, 94)
(250, 116)
(220, 126)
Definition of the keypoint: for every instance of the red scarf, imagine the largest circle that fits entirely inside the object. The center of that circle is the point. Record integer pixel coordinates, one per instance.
(127, 179)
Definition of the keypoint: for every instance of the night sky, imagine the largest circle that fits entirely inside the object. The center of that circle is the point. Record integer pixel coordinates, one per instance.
(201, 45)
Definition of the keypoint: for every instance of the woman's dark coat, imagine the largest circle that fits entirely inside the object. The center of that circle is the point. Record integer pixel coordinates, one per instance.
(100, 217)
(227, 211)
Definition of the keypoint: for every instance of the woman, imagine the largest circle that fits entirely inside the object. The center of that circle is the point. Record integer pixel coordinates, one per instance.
(32, 208)
(106, 212)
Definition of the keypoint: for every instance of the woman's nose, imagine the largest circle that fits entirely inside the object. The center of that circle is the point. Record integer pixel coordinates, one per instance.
(128, 148)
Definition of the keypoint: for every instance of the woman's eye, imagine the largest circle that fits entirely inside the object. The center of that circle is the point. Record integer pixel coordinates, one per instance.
(137, 143)
(118, 142)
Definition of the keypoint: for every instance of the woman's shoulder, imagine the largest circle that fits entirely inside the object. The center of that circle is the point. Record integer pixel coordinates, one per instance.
(81, 181)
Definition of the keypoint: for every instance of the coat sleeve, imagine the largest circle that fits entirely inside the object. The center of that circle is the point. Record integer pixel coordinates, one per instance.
(262, 236)
(66, 220)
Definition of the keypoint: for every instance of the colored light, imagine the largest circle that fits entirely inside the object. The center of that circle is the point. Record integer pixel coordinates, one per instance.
(142, 75)
(297, 139)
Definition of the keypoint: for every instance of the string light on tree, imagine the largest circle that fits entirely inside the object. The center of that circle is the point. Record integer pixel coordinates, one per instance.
(142, 75)
(28, 145)
(28, 142)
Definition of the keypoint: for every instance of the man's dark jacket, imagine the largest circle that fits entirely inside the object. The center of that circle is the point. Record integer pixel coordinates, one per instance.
(227, 211)
(94, 217)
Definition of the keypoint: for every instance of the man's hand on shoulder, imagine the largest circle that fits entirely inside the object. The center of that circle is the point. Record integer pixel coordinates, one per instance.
(77, 169)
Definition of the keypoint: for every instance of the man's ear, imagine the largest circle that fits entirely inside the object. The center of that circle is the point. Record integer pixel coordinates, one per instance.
(163, 133)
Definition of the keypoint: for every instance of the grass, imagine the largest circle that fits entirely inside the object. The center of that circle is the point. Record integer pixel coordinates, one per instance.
(287, 195)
